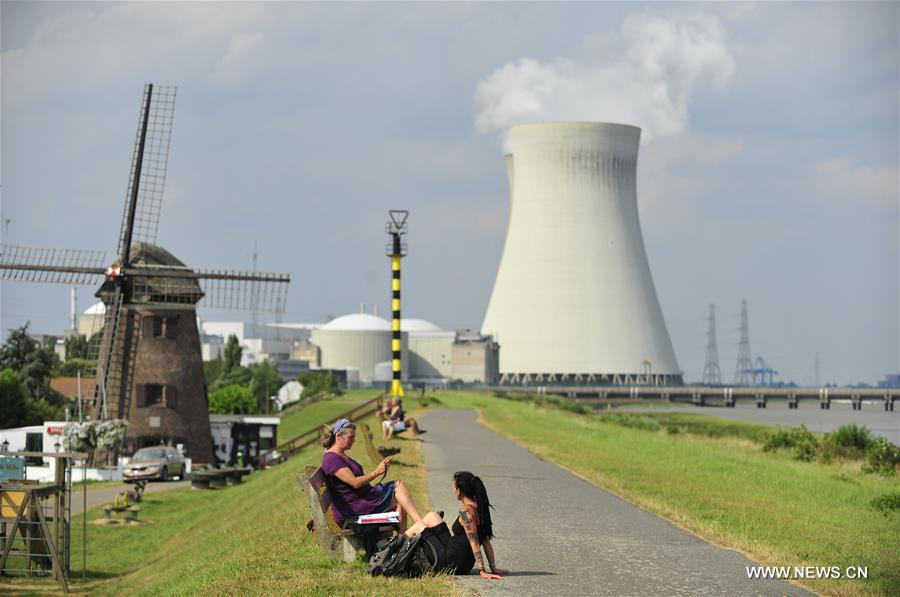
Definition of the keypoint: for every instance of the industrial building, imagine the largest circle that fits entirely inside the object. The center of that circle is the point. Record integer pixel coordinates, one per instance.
(357, 341)
(574, 301)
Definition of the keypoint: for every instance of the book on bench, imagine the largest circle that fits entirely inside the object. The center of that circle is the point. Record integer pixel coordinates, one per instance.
(380, 518)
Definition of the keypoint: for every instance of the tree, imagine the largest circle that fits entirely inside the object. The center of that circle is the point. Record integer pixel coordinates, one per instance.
(34, 364)
(18, 349)
(239, 376)
(18, 409)
(315, 382)
(77, 347)
(74, 366)
(14, 410)
(232, 400)
(233, 352)
(212, 370)
(264, 383)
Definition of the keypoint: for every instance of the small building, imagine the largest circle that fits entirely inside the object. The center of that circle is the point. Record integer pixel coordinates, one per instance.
(476, 358)
(249, 435)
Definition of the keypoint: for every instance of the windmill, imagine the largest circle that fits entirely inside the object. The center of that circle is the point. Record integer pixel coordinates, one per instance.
(149, 367)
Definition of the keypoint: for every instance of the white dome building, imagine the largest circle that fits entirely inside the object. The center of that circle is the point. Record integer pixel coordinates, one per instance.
(358, 341)
(91, 321)
(574, 300)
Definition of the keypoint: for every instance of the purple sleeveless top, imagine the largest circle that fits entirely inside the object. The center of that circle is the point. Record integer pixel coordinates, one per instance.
(346, 501)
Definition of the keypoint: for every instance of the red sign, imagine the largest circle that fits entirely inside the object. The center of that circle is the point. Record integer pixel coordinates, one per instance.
(55, 429)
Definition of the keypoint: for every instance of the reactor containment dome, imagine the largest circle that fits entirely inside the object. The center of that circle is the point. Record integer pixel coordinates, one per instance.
(574, 301)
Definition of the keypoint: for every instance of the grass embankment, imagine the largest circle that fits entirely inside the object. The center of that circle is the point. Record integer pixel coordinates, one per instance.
(297, 419)
(248, 539)
(712, 477)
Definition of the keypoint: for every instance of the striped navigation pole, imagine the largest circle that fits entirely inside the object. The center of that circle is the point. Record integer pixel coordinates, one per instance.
(396, 250)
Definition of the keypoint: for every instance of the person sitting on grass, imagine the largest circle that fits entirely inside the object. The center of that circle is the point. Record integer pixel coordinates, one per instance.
(351, 489)
(472, 530)
(397, 421)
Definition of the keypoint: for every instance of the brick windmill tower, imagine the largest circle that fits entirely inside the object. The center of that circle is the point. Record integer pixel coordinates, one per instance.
(149, 366)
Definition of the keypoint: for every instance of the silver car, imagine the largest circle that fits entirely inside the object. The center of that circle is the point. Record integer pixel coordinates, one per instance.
(159, 462)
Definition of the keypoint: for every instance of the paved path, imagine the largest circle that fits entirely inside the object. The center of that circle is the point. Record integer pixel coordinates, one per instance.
(105, 495)
(563, 536)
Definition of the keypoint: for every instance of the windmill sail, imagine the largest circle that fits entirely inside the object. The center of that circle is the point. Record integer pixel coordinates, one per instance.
(149, 162)
(59, 266)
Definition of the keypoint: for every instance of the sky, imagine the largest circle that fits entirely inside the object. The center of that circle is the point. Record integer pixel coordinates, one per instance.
(768, 166)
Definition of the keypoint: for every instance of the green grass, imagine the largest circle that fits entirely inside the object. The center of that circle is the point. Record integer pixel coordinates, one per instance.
(296, 420)
(713, 478)
(247, 539)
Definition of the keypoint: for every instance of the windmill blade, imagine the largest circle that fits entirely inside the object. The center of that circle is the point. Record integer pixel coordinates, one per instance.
(146, 183)
(244, 290)
(60, 266)
(221, 289)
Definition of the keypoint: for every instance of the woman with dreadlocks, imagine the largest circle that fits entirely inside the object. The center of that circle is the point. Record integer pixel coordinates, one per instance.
(472, 530)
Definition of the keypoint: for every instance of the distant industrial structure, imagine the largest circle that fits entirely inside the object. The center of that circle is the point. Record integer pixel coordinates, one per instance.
(712, 376)
(358, 347)
(743, 370)
(574, 301)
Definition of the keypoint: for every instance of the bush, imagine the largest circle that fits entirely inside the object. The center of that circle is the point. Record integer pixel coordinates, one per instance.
(574, 407)
(317, 382)
(799, 439)
(882, 457)
(851, 436)
(887, 502)
(634, 421)
(232, 400)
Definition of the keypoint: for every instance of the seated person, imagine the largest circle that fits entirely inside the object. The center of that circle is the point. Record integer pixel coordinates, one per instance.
(472, 530)
(398, 422)
(385, 411)
(351, 489)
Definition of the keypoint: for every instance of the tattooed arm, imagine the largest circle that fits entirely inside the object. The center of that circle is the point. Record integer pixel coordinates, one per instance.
(489, 552)
(469, 521)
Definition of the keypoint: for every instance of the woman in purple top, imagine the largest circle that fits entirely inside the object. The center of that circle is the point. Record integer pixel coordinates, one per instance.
(352, 491)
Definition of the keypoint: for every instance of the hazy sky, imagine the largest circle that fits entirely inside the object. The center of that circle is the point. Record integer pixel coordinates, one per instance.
(768, 166)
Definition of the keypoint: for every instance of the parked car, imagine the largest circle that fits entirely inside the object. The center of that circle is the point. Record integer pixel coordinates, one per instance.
(159, 462)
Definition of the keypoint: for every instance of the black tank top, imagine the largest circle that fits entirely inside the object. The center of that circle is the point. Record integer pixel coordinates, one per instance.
(459, 552)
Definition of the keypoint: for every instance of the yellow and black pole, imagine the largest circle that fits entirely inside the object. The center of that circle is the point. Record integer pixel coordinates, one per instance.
(396, 250)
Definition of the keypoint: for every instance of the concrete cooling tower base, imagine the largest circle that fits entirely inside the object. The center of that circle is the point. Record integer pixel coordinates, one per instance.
(574, 300)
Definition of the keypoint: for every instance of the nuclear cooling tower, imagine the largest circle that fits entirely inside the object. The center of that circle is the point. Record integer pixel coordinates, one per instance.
(574, 300)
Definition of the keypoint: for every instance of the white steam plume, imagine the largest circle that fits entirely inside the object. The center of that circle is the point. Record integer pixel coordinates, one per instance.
(642, 75)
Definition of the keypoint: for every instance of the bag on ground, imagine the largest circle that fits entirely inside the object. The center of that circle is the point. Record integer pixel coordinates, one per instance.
(422, 554)
(394, 556)
(434, 543)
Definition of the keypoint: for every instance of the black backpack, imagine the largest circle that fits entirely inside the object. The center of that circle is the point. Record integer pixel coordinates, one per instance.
(433, 545)
(412, 557)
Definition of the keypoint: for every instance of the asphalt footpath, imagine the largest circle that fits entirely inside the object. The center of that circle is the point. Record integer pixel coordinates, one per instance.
(560, 535)
(106, 495)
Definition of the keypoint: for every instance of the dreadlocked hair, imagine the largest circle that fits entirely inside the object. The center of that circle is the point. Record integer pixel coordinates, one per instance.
(472, 487)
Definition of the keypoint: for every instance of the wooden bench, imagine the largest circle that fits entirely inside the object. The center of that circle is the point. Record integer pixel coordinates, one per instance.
(218, 477)
(338, 542)
(376, 454)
